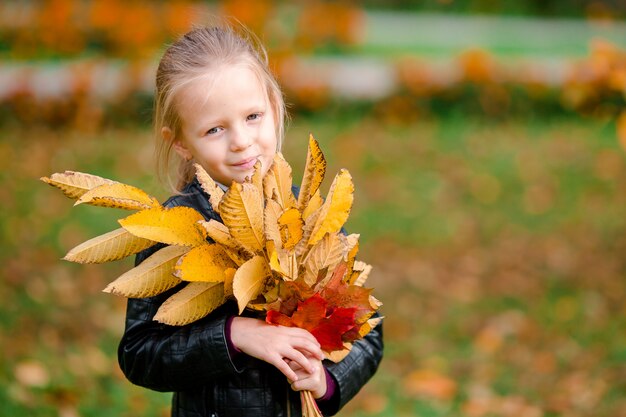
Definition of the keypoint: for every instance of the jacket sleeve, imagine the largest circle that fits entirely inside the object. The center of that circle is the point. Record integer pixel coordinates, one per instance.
(173, 358)
(355, 370)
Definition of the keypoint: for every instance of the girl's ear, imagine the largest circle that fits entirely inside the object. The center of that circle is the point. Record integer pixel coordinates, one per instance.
(177, 144)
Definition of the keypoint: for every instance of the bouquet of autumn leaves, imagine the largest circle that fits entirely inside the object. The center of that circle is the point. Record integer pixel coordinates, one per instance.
(273, 253)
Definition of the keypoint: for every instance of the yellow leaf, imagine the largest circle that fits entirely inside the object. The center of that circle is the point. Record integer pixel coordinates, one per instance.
(151, 277)
(75, 184)
(110, 246)
(206, 263)
(219, 233)
(290, 223)
(210, 187)
(360, 273)
(257, 179)
(326, 253)
(274, 261)
(250, 280)
(369, 325)
(339, 355)
(228, 282)
(191, 303)
(118, 195)
(314, 171)
(272, 213)
(336, 208)
(374, 302)
(282, 261)
(241, 210)
(278, 181)
(292, 266)
(303, 247)
(314, 203)
(351, 247)
(172, 226)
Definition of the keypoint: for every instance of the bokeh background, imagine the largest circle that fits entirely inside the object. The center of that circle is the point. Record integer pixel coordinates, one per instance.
(486, 139)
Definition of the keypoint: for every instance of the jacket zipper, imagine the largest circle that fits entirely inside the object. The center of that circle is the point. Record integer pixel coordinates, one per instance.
(288, 402)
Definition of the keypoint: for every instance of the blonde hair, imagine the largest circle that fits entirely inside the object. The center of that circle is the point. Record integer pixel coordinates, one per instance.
(191, 57)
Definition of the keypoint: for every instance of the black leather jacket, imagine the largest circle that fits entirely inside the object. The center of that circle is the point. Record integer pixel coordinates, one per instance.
(193, 361)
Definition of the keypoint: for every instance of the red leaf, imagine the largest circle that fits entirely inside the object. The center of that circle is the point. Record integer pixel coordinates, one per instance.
(275, 317)
(310, 312)
(329, 331)
(327, 325)
(340, 294)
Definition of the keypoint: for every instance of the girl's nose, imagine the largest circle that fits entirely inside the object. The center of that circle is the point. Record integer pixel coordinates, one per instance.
(241, 138)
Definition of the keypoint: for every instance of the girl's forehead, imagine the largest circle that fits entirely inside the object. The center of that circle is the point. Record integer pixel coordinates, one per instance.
(223, 85)
(204, 85)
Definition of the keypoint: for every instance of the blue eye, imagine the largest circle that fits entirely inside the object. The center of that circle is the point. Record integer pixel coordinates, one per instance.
(254, 116)
(213, 131)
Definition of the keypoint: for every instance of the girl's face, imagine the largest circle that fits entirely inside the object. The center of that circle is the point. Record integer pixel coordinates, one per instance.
(227, 124)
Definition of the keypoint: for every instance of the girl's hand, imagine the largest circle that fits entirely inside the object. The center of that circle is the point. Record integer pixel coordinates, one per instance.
(277, 345)
(310, 381)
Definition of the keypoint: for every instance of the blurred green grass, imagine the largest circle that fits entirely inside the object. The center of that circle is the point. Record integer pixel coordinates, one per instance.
(498, 250)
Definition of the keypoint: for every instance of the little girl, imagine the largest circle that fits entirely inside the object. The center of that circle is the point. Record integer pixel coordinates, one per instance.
(217, 104)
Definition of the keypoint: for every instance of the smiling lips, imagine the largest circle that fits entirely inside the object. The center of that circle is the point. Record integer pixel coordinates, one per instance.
(246, 164)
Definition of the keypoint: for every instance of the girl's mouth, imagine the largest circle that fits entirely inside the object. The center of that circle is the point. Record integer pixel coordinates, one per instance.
(246, 164)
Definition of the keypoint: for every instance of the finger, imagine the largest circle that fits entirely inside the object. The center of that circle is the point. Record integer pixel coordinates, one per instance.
(296, 332)
(282, 366)
(301, 385)
(305, 334)
(304, 384)
(294, 365)
(313, 349)
(297, 357)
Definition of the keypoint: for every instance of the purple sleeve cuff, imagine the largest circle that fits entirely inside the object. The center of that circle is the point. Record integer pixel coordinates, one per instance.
(232, 349)
(331, 387)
